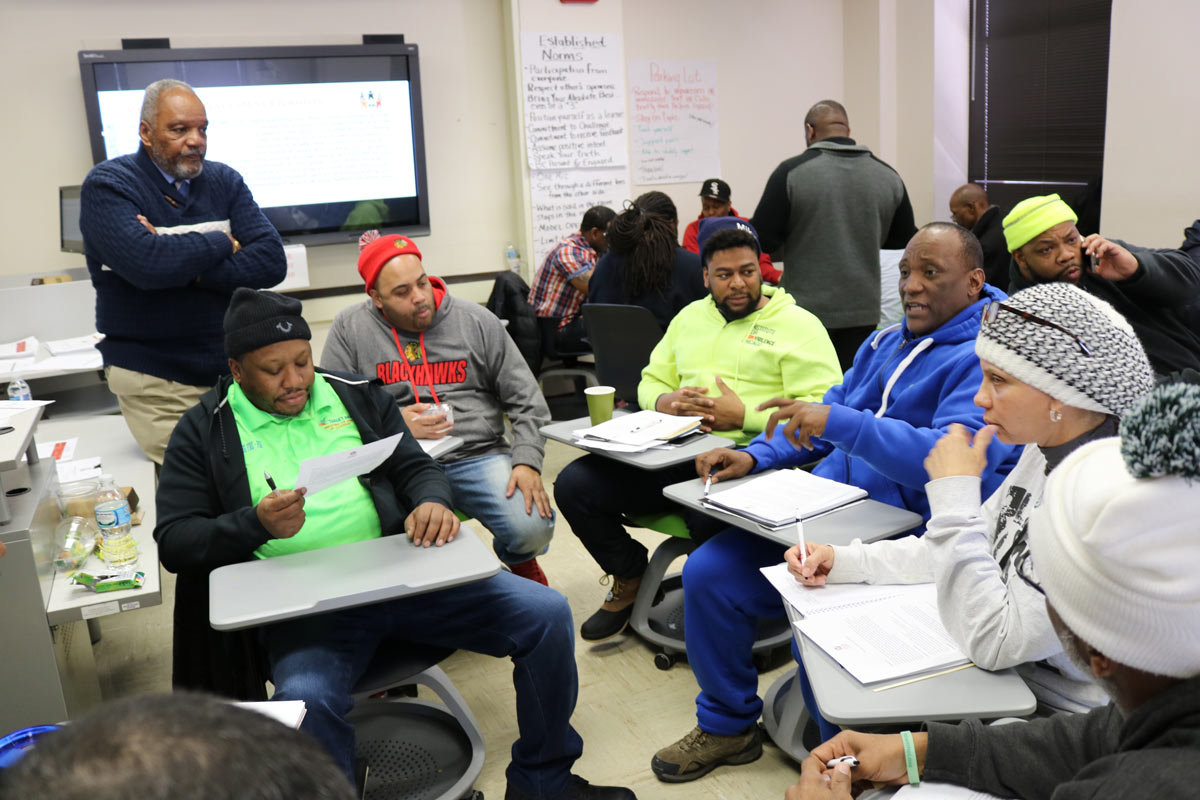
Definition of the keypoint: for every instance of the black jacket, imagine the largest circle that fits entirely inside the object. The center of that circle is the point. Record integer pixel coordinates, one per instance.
(510, 300)
(989, 230)
(1152, 753)
(1153, 300)
(206, 520)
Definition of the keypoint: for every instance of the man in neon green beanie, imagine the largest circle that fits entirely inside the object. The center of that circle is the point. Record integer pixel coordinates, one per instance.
(1149, 287)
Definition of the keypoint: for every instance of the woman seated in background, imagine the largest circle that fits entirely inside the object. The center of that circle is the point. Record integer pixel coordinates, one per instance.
(644, 265)
(1060, 368)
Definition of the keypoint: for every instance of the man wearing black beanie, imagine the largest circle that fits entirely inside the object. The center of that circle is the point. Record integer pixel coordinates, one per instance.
(275, 411)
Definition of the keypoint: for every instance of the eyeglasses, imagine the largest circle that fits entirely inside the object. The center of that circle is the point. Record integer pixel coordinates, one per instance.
(993, 309)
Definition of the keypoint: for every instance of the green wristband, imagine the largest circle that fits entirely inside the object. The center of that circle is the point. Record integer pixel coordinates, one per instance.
(910, 758)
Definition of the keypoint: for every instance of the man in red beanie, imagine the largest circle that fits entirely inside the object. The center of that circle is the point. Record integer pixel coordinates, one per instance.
(434, 353)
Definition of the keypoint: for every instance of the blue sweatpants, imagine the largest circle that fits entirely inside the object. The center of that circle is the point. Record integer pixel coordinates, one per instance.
(724, 596)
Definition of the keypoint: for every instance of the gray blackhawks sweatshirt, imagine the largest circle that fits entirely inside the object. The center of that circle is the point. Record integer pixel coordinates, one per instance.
(473, 364)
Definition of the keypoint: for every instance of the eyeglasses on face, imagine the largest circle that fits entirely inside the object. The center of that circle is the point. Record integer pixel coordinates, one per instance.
(993, 309)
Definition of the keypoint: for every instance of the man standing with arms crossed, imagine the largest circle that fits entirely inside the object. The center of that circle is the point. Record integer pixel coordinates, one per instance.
(168, 237)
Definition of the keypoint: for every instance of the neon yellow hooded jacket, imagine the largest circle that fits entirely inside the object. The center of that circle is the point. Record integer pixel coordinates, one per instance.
(781, 350)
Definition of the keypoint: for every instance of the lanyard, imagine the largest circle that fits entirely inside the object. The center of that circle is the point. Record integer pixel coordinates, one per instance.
(412, 373)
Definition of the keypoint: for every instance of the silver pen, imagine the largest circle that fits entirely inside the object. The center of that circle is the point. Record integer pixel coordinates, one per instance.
(707, 484)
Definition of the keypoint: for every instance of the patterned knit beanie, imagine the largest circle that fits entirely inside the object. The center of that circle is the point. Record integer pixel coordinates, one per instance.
(1115, 539)
(1109, 380)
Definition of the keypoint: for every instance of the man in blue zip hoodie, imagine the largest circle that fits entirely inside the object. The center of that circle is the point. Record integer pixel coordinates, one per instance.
(908, 384)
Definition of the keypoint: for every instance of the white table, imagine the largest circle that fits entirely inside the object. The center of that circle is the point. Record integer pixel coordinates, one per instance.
(345, 576)
(109, 438)
(866, 519)
(654, 458)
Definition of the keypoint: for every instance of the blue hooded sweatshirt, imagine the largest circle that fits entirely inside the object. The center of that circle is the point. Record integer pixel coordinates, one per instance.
(900, 396)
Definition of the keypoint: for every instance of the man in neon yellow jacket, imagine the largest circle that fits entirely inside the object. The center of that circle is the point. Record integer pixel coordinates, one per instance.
(720, 358)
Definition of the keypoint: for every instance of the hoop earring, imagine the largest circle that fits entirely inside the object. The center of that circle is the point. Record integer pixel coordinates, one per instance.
(1055, 415)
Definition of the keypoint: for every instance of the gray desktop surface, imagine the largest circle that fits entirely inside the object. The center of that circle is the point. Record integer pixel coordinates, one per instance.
(656, 458)
(866, 519)
(968, 693)
(314, 582)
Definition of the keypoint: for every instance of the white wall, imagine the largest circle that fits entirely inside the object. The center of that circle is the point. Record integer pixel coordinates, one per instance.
(1151, 169)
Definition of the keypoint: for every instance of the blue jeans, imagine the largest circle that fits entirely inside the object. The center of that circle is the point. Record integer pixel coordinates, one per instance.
(724, 596)
(479, 485)
(319, 659)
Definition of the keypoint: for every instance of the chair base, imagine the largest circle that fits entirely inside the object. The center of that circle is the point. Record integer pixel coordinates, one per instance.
(661, 623)
(416, 749)
(784, 716)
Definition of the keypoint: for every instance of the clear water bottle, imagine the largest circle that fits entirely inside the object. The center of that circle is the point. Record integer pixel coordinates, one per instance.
(18, 389)
(513, 257)
(118, 548)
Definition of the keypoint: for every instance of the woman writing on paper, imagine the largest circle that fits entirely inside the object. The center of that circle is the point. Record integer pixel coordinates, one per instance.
(1059, 369)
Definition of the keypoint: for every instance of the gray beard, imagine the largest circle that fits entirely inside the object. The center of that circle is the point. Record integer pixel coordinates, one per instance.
(175, 170)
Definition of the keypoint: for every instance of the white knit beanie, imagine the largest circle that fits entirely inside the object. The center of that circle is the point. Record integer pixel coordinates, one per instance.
(1108, 381)
(1115, 541)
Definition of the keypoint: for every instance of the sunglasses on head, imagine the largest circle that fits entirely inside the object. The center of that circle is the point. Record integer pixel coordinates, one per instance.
(993, 309)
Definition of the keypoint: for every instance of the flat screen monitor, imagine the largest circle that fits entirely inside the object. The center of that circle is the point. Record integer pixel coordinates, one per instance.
(328, 138)
(70, 238)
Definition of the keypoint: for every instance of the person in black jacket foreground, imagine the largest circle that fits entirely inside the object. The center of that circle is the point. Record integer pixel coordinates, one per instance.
(213, 510)
(1114, 540)
(1151, 288)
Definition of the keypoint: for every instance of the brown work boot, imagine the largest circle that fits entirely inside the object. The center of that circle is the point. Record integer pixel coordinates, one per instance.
(700, 752)
(614, 615)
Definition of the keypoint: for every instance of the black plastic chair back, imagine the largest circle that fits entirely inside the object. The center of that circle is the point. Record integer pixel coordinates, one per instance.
(622, 338)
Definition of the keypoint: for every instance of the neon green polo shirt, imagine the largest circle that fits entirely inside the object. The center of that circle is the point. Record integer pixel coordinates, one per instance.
(277, 444)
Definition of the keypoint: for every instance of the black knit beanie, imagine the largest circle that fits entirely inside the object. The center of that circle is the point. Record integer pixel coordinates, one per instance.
(256, 319)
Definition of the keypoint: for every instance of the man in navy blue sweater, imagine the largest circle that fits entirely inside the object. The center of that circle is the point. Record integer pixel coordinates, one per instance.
(168, 237)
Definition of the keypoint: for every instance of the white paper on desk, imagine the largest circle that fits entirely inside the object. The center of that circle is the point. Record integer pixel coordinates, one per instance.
(10, 408)
(612, 447)
(808, 600)
(882, 641)
(933, 790)
(62, 450)
(289, 712)
(7, 365)
(773, 499)
(644, 428)
(77, 344)
(318, 474)
(82, 470)
(83, 359)
(22, 348)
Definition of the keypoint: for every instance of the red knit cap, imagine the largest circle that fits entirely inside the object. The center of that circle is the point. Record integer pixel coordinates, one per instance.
(375, 252)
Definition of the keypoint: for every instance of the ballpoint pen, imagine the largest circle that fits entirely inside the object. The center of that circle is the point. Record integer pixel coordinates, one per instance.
(707, 484)
(270, 480)
(800, 536)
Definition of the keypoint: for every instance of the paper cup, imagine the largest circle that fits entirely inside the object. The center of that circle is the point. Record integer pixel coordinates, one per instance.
(600, 403)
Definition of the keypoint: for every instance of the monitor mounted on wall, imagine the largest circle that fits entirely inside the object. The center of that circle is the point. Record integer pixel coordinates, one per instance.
(329, 138)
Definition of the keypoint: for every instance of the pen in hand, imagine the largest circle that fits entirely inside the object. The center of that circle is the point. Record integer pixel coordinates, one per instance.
(707, 484)
(270, 481)
(800, 536)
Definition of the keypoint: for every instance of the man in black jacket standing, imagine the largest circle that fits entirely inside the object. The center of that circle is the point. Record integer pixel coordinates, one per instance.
(969, 207)
(213, 510)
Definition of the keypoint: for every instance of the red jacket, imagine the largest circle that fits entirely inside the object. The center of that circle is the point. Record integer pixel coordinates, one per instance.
(691, 242)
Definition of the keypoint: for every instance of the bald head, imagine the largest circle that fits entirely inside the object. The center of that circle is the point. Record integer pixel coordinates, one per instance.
(826, 118)
(967, 204)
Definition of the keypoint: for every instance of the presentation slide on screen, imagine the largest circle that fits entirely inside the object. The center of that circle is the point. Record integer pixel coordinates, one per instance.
(296, 144)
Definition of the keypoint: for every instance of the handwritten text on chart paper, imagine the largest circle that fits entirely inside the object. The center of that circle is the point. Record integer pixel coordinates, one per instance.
(574, 103)
(673, 122)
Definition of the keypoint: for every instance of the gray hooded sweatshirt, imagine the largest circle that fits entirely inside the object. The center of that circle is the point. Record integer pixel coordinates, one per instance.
(465, 358)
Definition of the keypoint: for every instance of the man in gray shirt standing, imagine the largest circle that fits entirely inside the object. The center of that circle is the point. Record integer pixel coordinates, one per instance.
(829, 211)
(431, 351)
